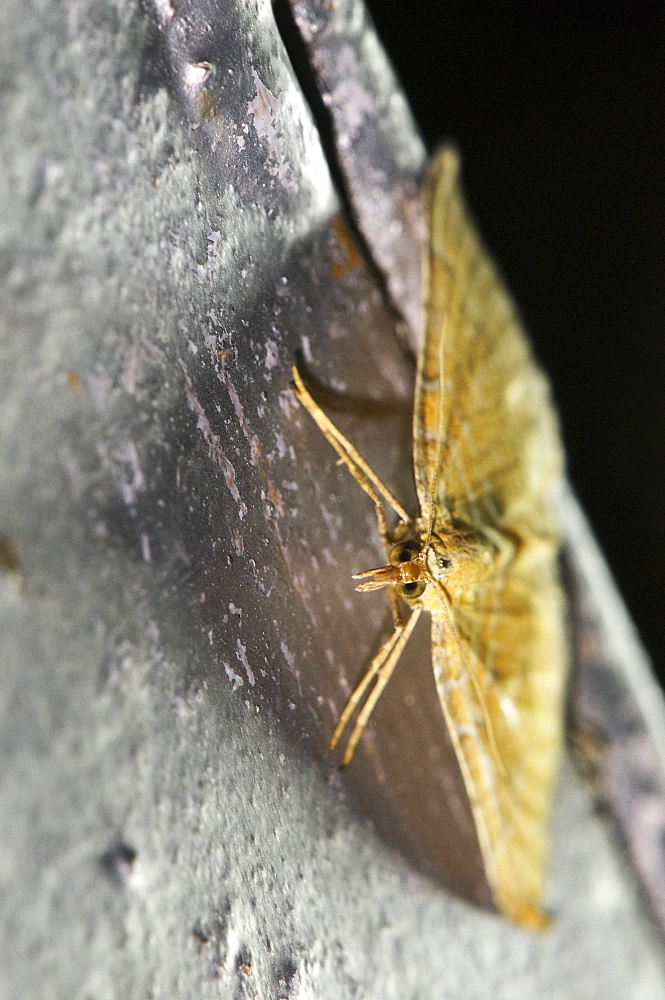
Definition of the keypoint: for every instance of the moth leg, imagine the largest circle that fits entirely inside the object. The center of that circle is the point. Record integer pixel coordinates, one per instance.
(361, 472)
(379, 493)
(382, 667)
(366, 478)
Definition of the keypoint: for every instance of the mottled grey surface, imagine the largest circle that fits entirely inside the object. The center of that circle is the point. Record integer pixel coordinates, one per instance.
(178, 629)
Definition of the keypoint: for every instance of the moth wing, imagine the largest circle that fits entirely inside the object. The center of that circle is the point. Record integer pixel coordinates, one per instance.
(487, 462)
(498, 659)
(486, 437)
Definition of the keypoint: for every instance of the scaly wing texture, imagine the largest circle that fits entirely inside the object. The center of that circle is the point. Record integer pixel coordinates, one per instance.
(487, 460)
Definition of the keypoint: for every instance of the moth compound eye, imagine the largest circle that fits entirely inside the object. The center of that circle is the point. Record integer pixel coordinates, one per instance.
(411, 590)
(403, 552)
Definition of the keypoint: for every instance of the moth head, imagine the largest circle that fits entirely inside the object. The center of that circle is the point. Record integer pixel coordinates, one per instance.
(408, 571)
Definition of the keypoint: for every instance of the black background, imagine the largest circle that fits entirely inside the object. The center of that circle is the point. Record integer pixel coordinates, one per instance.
(560, 117)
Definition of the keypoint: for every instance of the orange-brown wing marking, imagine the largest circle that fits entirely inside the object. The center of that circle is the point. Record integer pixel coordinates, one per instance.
(487, 461)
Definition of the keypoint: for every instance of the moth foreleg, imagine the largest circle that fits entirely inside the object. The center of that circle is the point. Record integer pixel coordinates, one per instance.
(365, 476)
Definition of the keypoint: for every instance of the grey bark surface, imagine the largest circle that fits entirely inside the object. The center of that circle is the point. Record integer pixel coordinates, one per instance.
(178, 628)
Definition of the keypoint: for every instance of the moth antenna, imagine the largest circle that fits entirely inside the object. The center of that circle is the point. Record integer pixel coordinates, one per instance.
(362, 686)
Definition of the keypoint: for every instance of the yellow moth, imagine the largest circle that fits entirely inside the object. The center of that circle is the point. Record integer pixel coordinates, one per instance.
(480, 557)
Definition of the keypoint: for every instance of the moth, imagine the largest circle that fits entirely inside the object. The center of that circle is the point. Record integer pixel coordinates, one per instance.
(481, 555)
